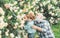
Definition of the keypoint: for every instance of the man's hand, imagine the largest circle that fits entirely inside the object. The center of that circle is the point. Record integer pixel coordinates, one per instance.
(37, 28)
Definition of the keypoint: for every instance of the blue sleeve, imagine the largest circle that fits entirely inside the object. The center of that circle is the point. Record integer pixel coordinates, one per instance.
(45, 27)
(26, 27)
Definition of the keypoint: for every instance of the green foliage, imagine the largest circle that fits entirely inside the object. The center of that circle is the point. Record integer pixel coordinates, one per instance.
(56, 30)
(49, 8)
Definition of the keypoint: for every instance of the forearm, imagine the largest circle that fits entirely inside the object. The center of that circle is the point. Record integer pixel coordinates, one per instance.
(40, 29)
(37, 28)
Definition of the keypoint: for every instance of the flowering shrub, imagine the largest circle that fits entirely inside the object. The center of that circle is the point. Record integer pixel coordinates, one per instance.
(12, 11)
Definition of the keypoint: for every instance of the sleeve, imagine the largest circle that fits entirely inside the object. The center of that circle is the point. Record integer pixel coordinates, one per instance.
(45, 27)
(36, 22)
(26, 27)
(31, 24)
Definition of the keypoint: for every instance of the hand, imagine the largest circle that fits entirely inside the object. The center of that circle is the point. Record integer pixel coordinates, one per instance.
(37, 28)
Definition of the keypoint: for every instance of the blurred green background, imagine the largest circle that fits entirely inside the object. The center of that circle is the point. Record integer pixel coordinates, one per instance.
(12, 11)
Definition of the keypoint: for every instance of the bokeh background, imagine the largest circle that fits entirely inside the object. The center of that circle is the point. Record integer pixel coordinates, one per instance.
(12, 11)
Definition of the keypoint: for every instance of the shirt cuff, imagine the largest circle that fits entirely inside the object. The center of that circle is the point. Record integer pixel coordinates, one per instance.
(43, 30)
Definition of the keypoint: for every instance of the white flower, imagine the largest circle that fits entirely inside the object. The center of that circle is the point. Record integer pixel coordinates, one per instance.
(9, 17)
(1, 20)
(18, 17)
(15, 10)
(52, 18)
(15, 27)
(44, 3)
(6, 33)
(48, 1)
(2, 17)
(21, 3)
(1, 11)
(0, 36)
(20, 11)
(7, 6)
(58, 18)
(54, 1)
(15, 2)
(7, 30)
(25, 9)
(51, 21)
(38, 0)
(20, 0)
(31, 11)
(5, 24)
(16, 23)
(52, 14)
(17, 7)
(1, 25)
(37, 7)
(11, 4)
(16, 37)
(11, 8)
(33, 3)
(36, 12)
(53, 7)
(11, 35)
(41, 4)
(30, 6)
(22, 21)
(23, 15)
(49, 6)
(0, 32)
(56, 14)
(42, 10)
